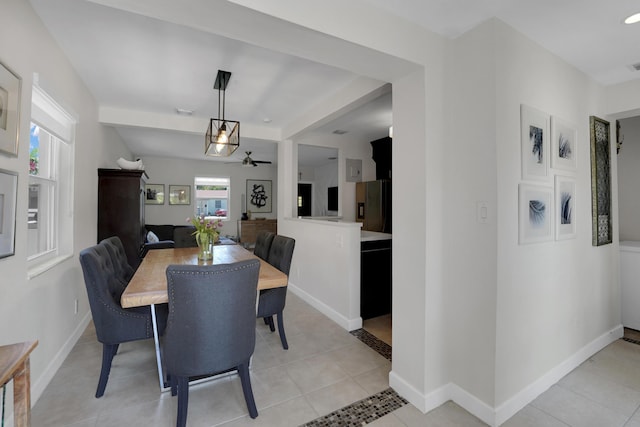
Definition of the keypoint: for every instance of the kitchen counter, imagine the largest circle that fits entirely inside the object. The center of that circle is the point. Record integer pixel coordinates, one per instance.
(370, 236)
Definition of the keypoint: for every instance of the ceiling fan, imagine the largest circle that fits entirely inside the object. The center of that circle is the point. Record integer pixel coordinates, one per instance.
(248, 161)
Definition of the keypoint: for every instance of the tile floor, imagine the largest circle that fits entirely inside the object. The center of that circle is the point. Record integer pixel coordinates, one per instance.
(325, 371)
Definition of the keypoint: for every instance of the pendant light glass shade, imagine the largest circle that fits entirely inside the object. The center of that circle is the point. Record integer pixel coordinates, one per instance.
(223, 136)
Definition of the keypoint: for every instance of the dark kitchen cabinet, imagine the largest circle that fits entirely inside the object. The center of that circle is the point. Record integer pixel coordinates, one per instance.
(375, 278)
(121, 209)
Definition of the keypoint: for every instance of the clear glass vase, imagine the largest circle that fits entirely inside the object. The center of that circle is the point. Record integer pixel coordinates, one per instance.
(205, 244)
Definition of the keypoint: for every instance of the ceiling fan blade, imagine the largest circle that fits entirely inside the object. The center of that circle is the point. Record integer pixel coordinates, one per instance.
(266, 162)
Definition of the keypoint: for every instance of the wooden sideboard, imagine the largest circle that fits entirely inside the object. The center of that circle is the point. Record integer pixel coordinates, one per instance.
(15, 365)
(248, 229)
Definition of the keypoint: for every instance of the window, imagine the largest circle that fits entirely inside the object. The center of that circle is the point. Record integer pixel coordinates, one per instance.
(50, 211)
(212, 197)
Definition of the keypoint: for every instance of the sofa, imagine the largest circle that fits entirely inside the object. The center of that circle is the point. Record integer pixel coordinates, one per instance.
(173, 236)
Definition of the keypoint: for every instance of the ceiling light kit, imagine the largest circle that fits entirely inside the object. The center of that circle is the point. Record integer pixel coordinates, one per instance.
(220, 141)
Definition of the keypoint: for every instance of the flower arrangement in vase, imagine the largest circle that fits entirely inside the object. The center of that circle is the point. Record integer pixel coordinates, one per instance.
(207, 234)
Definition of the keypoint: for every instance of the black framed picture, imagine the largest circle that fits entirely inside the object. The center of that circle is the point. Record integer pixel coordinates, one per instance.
(259, 196)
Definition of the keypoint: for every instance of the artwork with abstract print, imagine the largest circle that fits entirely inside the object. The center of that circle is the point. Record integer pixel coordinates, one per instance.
(534, 140)
(536, 213)
(565, 188)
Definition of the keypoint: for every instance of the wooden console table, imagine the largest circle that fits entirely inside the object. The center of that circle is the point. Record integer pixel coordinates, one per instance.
(14, 364)
(248, 229)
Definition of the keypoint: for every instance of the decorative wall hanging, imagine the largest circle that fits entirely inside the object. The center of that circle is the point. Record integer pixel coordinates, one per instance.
(564, 145)
(10, 87)
(600, 181)
(258, 196)
(8, 194)
(154, 194)
(565, 189)
(534, 139)
(535, 213)
(179, 194)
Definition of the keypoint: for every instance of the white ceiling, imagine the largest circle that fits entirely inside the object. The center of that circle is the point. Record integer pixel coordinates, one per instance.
(134, 62)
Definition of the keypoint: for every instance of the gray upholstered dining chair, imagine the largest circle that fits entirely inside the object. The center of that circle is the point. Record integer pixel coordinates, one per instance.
(123, 270)
(114, 324)
(263, 244)
(272, 301)
(211, 325)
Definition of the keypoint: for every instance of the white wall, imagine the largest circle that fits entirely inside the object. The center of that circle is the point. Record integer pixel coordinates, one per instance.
(470, 177)
(628, 178)
(43, 308)
(182, 172)
(322, 270)
(557, 302)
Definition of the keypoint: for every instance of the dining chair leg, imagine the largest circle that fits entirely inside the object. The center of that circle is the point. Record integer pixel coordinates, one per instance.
(283, 337)
(270, 323)
(243, 372)
(183, 400)
(173, 384)
(108, 351)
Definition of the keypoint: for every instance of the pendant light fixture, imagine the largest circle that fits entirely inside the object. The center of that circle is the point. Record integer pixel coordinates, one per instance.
(223, 136)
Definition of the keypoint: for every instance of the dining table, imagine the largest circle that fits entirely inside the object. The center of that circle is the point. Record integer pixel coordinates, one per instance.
(148, 286)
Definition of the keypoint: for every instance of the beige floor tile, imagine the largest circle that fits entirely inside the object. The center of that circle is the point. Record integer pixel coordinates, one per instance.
(336, 396)
(389, 420)
(314, 373)
(161, 413)
(356, 359)
(530, 416)
(577, 410)
(273, 386)
(447, 415)
(601, 389)
(375, 380)
(291, 413)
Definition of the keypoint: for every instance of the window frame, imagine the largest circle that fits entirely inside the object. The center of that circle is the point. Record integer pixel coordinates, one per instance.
(51, 117)
(212, 181)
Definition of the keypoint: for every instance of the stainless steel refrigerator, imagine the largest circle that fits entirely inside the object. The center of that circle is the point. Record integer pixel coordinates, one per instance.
(373, 205)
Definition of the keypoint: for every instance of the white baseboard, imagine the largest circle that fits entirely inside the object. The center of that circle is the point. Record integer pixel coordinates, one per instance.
(346, 323)
(43, 380)
(497, 416)
(535, 389)
(439, 396)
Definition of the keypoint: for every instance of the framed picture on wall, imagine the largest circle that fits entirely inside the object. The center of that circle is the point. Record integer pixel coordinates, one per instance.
(154, 194)
(536, 214)
(179, 194)
(8, 194)
(10, 85)
(259, 196)
(565, 189)
(534, 141)
(564, 145)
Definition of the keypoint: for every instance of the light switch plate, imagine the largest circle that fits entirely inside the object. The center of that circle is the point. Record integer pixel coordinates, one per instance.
(482, 212)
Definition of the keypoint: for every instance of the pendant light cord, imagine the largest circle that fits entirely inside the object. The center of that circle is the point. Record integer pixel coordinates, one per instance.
(224, 92)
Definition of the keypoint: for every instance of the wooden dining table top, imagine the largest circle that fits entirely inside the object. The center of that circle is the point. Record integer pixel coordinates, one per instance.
(149, 283)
